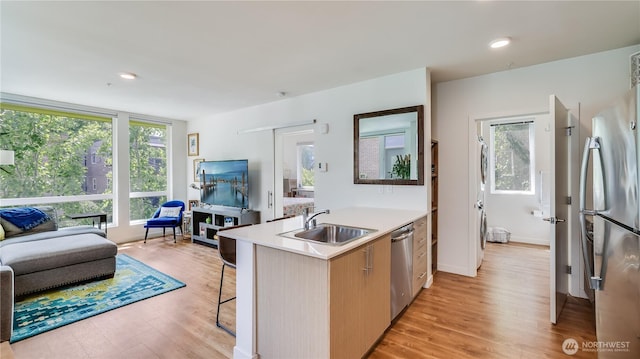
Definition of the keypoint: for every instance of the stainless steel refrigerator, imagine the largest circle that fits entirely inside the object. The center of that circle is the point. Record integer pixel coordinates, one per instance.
(613, 267)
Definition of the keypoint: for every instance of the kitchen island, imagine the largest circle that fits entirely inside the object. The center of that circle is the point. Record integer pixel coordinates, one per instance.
(298, 298)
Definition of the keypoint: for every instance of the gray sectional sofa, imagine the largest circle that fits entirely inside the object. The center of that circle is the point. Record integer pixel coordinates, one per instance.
(46, 257)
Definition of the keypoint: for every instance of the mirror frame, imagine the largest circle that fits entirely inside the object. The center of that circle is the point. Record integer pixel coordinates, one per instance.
(356, 140)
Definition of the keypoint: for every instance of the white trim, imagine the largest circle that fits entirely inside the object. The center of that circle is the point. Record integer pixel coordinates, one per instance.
(55, 105)
(530, 240)
(275, 127)
(70, 107)
(54, 199)
(148, 194)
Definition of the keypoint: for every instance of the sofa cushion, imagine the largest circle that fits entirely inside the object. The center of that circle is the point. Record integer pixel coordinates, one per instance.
(68, 231)
(169, 211)
(49, 224)
(29, 257)
(162, 221)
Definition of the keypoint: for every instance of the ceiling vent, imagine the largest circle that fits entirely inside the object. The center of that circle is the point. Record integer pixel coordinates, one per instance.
(635, 69)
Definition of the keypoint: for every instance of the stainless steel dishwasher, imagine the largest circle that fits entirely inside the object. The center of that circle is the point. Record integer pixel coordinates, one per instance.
(401, 268)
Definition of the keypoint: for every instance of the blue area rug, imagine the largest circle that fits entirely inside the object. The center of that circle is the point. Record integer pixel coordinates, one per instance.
(133, 281)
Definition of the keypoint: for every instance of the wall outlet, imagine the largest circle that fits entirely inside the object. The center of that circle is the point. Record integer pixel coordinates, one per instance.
(322, 166)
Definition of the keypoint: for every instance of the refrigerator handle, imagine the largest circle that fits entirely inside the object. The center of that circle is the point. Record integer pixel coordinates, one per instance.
(592, 143)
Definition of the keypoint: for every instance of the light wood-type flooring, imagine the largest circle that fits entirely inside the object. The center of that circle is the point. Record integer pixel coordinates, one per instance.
(503, 313)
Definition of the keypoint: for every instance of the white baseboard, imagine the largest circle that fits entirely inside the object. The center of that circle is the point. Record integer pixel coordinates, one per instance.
(454, 269)
(527, 240)
(238, 353)
(429, 282)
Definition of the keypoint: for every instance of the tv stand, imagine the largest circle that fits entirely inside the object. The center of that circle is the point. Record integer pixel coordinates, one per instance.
(203, 231)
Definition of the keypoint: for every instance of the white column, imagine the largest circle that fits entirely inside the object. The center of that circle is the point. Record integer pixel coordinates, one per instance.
(245, 347)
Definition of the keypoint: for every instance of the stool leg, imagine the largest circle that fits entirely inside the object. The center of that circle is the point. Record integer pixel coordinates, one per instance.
(145, 235)
(220, 302)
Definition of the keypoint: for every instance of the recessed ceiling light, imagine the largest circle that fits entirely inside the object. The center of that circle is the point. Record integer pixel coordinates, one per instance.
(501, 42)
(281, 94)
(128, 75)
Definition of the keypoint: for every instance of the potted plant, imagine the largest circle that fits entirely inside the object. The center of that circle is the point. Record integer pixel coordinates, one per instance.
(402, 167)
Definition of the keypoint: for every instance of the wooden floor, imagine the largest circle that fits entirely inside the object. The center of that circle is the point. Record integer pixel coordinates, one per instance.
(503, 313)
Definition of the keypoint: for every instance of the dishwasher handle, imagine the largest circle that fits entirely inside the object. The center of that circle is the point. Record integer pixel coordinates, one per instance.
(402, 237)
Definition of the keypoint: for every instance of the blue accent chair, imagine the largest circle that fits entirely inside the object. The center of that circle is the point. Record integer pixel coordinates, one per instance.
(166, 221)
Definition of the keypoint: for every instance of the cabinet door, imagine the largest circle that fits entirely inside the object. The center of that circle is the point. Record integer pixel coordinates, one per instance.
(359, 298)
(377, 292)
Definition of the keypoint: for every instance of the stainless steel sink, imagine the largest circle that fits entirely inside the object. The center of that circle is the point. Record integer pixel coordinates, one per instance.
(327, 233)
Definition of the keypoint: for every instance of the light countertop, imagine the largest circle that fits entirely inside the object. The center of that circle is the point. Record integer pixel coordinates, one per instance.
(383, 220)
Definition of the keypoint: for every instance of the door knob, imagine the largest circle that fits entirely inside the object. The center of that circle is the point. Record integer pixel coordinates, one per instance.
(553, 220)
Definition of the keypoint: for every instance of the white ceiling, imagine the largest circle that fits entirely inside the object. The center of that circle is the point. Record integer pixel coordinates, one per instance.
(196, 59)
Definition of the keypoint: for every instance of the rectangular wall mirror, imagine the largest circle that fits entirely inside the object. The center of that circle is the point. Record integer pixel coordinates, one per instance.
(388, 147)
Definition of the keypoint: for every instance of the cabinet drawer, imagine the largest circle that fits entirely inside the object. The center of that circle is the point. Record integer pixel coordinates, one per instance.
(419, 262)
(419, 243)
(420, 254)
(419, 277)
(419, 233)
(420, 225)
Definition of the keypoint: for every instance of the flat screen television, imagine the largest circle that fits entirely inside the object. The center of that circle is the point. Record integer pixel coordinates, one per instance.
(224, 183)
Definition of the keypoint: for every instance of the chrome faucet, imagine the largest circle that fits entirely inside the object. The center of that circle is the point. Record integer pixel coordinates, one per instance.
(306, 219)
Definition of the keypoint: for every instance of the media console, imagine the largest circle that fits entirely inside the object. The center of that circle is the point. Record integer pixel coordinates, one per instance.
(206, 221)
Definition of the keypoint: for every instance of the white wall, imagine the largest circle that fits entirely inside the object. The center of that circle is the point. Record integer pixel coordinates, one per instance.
(592, 80)
(219, 139)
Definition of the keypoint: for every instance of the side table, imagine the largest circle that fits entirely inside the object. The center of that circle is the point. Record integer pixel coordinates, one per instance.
(186, 223)
(102, 217)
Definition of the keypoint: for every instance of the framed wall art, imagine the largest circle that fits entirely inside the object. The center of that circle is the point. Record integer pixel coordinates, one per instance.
(193, 141)
(196, 165)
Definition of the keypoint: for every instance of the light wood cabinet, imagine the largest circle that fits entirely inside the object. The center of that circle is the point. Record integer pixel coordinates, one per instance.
(308, 307)
(359, 298)
(420, 251)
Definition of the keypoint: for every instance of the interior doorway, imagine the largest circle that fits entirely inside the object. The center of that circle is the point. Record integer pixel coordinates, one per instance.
(509, 180)
(532, 167)
(294, 160)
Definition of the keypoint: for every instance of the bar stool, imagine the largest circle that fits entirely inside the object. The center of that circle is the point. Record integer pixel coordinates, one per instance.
(227, 251)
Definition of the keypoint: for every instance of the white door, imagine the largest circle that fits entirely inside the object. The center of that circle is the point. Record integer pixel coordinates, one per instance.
(559, 216)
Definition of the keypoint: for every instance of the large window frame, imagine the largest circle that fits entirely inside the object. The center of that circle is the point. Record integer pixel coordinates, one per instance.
(530, 125)
(154, 198)
(82, 199)
(117, 203)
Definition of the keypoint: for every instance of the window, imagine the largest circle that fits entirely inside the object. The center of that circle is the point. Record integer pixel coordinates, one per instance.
(394, 141)
(306, 161)
(512, 157)
(51, 167)
(147, 168)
